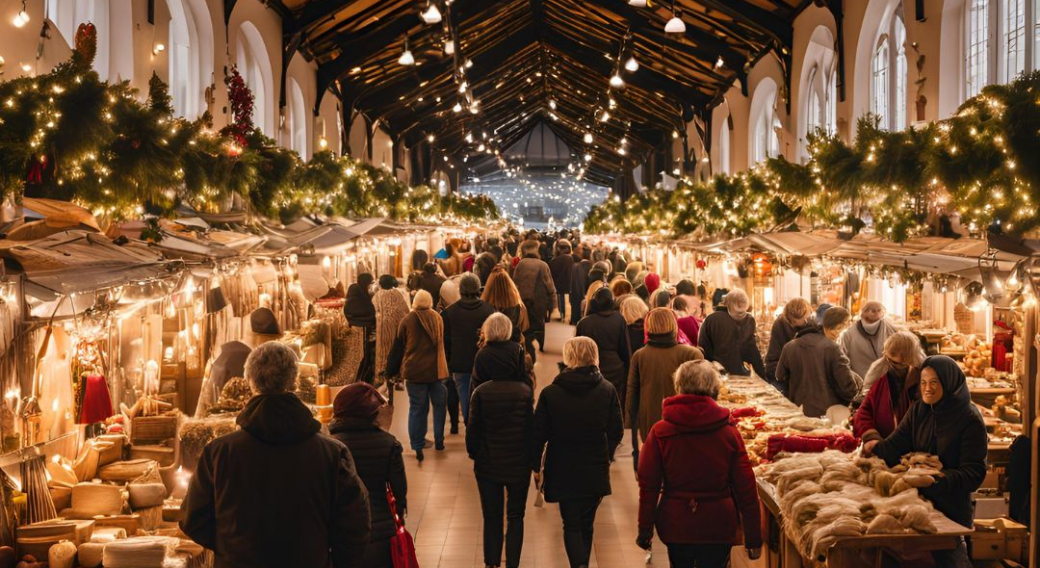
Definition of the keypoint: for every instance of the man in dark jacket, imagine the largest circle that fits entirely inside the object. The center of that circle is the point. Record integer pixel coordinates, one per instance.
(561, 267)
(462, 321)
(432, 282)
(728, 336)
(578, 425)
(378, 458)
(534, 281)
(816, 372)
(579, 281)
(501, 415)
(277, 493)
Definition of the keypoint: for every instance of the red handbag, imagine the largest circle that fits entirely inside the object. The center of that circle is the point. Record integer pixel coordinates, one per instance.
(402, 548)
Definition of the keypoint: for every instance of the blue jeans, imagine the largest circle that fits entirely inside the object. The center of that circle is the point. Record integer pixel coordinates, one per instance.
(462, 382)
(420, 395)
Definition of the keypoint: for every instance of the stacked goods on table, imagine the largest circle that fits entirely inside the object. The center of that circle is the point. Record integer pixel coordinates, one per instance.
(771, 423)
(832, 495)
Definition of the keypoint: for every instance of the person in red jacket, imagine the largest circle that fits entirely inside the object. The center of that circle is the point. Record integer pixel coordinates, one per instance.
(710, 490)
(894, 386)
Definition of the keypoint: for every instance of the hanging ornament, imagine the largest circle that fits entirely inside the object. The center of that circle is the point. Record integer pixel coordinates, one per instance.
(86, 45)
(702, 264)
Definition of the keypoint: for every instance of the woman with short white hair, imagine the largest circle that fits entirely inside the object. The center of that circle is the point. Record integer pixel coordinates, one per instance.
(711, 486)
(864, 342)
(729, 337)
(578, 425)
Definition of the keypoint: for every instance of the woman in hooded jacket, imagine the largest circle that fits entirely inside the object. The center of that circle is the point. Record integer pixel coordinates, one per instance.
(608, 329)
(944, 423)
(501, 414)
(378, 460)
(361, 313)
(894, 386)
(696, 485)
(418, 358)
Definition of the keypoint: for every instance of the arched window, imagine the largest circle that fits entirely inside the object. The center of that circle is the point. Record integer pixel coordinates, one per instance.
(114, 28)
(298, 121)
(997, 43)
(765, 123)
(190, 55)
(888, 74)
(818, 92)
(255, 67)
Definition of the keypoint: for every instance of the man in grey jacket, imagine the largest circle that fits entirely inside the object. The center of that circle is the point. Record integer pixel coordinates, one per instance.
(864, 342)
(817, 372)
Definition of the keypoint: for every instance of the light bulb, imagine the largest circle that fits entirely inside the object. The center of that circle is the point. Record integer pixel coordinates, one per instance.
(588, 138)
(21, 19)
(432, 15)
(449, 47)
(632, 65)
(457, 107)
(604, 117)
(616, 81)
(158, 48)
(675, 25)
(463, 86)
(552, 104)
(637, 3)
(430, 138)
(719, 63)
(323, 142)
(407, 59)
(588, 157)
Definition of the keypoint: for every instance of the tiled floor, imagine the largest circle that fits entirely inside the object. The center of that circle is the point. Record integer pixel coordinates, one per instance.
(445, 516)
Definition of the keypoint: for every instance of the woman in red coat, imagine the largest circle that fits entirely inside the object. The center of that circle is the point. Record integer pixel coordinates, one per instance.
(696, 486)
(893, 383)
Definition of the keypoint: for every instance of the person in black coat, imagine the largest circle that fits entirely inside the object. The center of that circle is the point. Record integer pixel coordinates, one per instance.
(562, 269)
(578, 425)
(361, 313)
(378, 461)
(462, 321)
(943, 423)
(608, 329)
(431, 282)
(500, 423)
(579, 276)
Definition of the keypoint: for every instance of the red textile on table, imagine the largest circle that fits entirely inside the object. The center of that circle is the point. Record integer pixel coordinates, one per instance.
(97, 403)
(810, 444)
(745, 411)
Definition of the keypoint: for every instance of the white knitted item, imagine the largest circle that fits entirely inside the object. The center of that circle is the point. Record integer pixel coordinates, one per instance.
(138, 552)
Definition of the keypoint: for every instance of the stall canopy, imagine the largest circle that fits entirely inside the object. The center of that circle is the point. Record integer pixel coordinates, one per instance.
(45, 217)
(60, 267)
(327, 239)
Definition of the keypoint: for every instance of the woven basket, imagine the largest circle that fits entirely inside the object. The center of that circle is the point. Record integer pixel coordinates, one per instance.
(153, 429)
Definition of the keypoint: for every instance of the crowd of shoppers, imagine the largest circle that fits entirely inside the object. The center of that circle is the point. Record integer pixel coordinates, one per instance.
(460, 336)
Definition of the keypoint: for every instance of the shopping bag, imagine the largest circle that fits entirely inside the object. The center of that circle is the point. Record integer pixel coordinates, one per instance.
(402, 547)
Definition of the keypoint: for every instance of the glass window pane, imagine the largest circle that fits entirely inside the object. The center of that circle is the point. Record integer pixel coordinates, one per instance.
(880, 95)
(978, 47)
(1014, 39)
(899, 80)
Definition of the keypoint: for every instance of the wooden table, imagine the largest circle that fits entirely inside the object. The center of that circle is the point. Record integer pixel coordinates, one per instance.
(857, 551)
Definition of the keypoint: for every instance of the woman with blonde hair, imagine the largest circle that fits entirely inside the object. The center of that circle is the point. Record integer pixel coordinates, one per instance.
(634, 310)
(502, 294)
(797, 314)
(893, 386)
(650, 372)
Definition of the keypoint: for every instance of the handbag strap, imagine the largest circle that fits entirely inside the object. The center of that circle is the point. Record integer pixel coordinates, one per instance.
(392, 502)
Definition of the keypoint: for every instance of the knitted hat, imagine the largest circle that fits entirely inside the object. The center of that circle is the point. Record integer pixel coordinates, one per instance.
(357, 400)
(263, 322)
(652, 282)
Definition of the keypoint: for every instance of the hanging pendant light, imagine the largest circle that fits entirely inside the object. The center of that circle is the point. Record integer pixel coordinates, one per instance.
(632, 65)
(616, 81)
(449, 47)
(676, 24)
(588, 138)
(720, 63)
(431, 15)
(637, 3)
(457, 108)
(21, 18)
(406, 59)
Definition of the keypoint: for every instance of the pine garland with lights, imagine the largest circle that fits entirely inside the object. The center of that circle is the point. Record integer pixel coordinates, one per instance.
(68, 135)
(979, 164)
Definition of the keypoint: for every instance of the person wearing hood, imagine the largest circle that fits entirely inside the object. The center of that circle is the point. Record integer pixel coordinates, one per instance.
(892, 386)
(864, 341)
(608, 329)
(634, 311)
(534, 281)
(650, 376)
(361, 314)
(696, 485)
(562, 268)
(578, 426)
(579, 281)
(728, 337)
(816, 371)
(795, 316)
(944, 423)
(500, 423)
(277, 467)
(391, 307)
(462, 321)
(418, 358)
(378, 460)
(431, 281)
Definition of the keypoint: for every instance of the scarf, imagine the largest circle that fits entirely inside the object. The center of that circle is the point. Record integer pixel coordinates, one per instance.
(869, 329)
(737, 315)
(434, 328)
(663, 340)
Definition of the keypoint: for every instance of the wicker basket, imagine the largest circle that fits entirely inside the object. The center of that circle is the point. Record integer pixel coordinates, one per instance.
(153, 429)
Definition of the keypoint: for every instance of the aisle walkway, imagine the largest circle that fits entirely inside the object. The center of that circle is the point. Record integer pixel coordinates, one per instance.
(444, 505)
